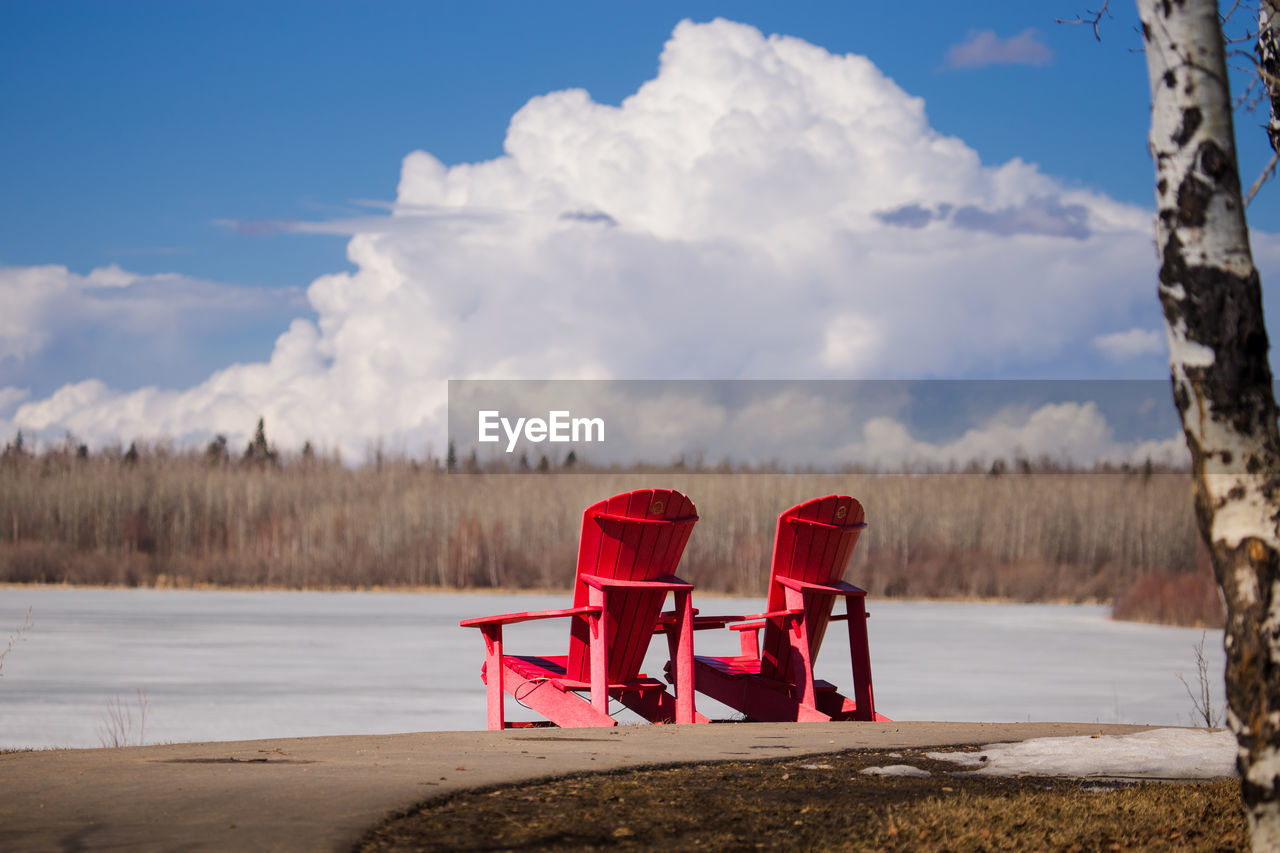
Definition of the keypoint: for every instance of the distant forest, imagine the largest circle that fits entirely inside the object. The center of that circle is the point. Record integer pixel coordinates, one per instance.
(151, 515)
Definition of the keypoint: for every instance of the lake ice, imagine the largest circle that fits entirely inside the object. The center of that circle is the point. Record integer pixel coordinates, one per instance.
(232, 665)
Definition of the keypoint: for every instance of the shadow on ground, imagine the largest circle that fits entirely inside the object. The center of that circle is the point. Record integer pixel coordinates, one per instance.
(823, 803)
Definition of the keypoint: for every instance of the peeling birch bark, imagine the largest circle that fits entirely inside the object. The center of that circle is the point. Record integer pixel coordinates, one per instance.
(1212, 302)
(1268, 51)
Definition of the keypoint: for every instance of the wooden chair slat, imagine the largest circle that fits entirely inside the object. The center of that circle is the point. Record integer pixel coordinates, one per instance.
(813, 544)
(636, 539)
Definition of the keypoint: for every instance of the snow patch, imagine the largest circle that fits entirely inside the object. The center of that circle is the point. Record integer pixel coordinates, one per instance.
(1155, 754)
(896, 770)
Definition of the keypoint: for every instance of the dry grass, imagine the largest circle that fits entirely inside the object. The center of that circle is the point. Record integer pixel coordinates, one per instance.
(823, 804)
(117, 726)
(175, 519)
(15, 637)
(1169, 598)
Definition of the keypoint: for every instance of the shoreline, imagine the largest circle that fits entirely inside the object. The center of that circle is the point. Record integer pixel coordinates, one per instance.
(512, 591)
(1137, 619)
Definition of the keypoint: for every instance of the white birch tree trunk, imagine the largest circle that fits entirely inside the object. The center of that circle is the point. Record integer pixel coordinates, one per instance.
(1212, 302)
(1269, 63)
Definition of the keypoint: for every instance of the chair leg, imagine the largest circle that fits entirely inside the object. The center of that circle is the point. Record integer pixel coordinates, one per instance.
(494, 676)
(859, 651)
(599, 648)
(685, 712)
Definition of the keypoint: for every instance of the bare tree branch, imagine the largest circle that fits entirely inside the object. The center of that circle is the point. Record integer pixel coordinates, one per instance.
(15, 637)
(1267, 174)
(1093, 21)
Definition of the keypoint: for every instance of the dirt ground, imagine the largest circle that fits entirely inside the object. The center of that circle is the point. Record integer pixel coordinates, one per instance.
(824, 803)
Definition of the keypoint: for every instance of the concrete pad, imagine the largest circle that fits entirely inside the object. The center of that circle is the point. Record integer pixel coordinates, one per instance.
(323, 793)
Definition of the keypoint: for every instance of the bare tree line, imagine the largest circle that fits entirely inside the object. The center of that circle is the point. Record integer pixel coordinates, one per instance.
(182, 520)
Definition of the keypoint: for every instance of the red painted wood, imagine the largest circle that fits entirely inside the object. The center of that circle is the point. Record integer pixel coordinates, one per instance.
(564, 708)
(493, 686)
(773, 677)
(598, 629)
(863, 696)
(758, 698)
(628, 551)
(668, 583)
(816, 553)
(801, 670)
(684, 659)
(529, 666)
(510, 618)
(619, 541)
(656, 705)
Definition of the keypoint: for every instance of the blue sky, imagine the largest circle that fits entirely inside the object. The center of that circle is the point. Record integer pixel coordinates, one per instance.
(214, 160)
(144, 124)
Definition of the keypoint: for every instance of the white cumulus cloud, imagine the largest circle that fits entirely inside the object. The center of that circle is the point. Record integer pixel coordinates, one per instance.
(1064, 433)
(733, 218)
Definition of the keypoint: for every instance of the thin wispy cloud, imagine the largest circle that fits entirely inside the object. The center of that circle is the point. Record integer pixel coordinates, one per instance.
(402, 217)
(1045, 216)
(983, 47)
(907, 216)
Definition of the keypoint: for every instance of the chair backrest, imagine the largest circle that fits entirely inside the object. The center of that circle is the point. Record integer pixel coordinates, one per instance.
(634, 536)
(813, 543)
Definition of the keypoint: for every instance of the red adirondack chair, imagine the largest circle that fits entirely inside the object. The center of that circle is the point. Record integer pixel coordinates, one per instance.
(773, 680)
(627, 557)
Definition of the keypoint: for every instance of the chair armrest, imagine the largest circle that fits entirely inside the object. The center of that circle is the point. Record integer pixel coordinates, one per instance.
(749, 632)
(758, 620)
(837, 588)
(511, 618)
(774, 614)
(669, 582)
(844, 617)
(669, 619)
(701, 623)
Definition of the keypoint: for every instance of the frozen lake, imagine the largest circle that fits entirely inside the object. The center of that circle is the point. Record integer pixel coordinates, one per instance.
(221, 665)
